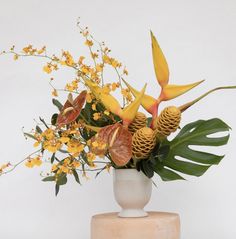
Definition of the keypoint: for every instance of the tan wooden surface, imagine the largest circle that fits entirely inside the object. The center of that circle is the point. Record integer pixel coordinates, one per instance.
(158, 225)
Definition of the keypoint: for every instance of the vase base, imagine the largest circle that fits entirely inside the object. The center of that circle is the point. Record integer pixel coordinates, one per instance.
(132, 213)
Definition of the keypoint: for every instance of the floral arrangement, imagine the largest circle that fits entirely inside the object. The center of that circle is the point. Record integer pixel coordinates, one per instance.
(92, 131)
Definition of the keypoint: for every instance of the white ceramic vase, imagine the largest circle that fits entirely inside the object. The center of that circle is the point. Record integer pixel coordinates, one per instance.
(132, 190)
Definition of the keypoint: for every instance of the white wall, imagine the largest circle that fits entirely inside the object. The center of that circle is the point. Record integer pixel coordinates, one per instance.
(198, 38)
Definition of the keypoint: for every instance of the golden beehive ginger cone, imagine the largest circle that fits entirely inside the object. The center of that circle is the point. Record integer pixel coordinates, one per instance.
(167, 122)
(139, 122)
(143, 142)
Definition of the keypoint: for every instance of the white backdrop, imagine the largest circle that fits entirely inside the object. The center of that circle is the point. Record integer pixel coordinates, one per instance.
(198, 39)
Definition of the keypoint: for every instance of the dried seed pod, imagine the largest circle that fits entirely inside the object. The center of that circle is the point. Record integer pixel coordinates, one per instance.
(167, 122)
(139, 122)
(143, 142)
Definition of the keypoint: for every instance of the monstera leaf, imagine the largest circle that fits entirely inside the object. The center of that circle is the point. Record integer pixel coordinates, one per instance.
(194, 162)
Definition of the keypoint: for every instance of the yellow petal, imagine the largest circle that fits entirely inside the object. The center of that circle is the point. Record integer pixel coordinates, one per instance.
(110, 103)
(16, 57)
(160, 64)
(107, 99)
(64, 139)
(93, 128)
(47, 69)
(37, 161)
(129, 113)
(96, 116)
(36, 144)
(29, 164)
(106, 112)
(55, 93)
(94, 107)
(172, 91)
(148, 102)
(95, 89)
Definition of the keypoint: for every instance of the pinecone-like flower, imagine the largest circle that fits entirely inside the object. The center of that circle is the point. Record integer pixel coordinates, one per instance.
(143, 142)
(139, 122)
(167, 122)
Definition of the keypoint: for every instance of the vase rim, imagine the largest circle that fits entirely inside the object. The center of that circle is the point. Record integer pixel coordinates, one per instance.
(129, 173)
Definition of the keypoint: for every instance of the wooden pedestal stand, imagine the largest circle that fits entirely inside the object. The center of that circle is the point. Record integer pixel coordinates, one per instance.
(158, 225)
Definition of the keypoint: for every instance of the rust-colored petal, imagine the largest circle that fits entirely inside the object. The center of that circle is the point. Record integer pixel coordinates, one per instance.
(106, 132)
(70, 111)
(79, 100)
(63, 118)
(120, 146)
(103, 137)
(118, 142)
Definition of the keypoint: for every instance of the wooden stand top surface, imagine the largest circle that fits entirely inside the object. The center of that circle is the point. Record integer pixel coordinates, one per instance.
(151, 216)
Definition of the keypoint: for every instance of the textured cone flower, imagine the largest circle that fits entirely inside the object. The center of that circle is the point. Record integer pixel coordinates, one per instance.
(167, 122)
(139, 122)
(143, 142)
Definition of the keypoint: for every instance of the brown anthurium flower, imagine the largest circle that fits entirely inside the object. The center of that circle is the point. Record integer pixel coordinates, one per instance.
(115, 140)
(71, 109)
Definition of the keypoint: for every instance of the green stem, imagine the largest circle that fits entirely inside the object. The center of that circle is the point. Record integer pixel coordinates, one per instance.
(189, 104)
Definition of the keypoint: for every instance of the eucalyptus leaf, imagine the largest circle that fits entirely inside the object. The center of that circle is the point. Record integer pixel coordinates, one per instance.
(62, 179)
(76, 176)
(38, 129)
(49, 179)
(54, 119)
(63, 151)
(57, 188)
(84, 157)
(57, 103)
(30, 136)
(53, 158)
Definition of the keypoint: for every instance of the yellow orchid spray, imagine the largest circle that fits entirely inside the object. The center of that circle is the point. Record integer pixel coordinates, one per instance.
(92, 131)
